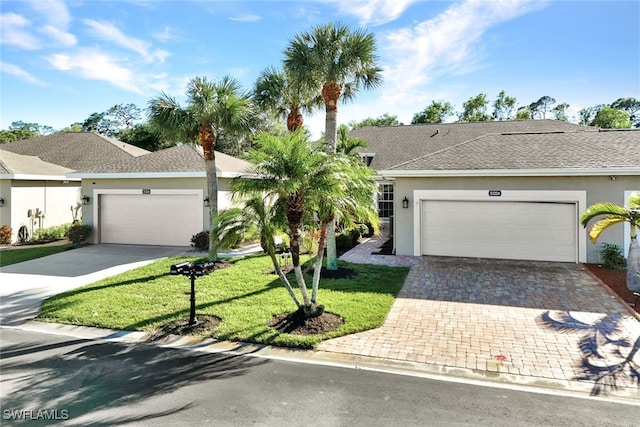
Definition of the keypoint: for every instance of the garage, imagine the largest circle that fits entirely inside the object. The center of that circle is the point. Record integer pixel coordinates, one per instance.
(150, 219)
(539, 231)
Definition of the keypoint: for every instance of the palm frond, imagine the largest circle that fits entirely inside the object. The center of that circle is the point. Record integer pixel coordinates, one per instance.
(603, 224)
(604, 208)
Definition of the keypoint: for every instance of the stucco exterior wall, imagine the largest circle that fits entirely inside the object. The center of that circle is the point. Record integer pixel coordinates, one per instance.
(5, 193)
(598, 189)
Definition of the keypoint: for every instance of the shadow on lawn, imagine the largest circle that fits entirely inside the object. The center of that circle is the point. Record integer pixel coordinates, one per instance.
(90, 377)
(608, 356)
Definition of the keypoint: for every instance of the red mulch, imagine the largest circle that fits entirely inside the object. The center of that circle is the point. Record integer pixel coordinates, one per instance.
(616, 280)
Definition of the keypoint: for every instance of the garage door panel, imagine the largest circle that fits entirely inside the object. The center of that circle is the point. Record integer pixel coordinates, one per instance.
(152, 219)
(509, 230)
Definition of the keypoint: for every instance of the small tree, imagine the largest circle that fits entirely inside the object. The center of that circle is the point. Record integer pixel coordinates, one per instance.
(615, 214)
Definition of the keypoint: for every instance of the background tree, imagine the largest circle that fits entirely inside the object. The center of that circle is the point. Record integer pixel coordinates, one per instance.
(560, 112)
(524, 113)
(22, 130)
(475, 109)
(384, 120)
(124, 115)
(436, 112)
(611, 118)
(631, 106)
(586, 115)
(337, 62)
(614, 214)
(144, 136)
(541, 107)
(348, 144)
(212, 107)
(100, 123)
(278, 94)
(503, 106)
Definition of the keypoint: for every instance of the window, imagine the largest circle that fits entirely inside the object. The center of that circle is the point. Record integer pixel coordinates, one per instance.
(385, 201)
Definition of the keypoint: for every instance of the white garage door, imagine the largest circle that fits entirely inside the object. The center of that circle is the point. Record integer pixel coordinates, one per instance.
(150, 219)
(506, 230)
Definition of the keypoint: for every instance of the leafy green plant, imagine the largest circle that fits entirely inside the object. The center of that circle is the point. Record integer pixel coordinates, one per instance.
(200, 241)
(612, 256)
(78, 233)
(50, 234)
(5, 234)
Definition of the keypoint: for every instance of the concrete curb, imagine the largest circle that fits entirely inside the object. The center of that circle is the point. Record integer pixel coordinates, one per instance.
(625, 395)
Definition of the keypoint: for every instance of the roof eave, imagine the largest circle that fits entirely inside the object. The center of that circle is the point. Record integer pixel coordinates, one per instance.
(149, 175)
(35, 177)
(511, 172)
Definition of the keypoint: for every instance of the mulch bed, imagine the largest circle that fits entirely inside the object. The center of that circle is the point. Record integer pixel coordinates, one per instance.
(204, 325)
(616, 280)
(296, 324)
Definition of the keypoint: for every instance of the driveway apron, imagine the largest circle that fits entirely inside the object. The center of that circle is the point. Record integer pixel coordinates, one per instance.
(537, 319)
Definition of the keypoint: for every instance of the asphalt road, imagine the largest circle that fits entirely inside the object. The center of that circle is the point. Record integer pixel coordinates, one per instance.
(84, 382)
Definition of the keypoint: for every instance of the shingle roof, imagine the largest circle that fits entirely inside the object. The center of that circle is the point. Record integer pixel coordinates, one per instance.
(19, 164)
(75, 150)
(568, 150)
(394, 145)
(181, 159)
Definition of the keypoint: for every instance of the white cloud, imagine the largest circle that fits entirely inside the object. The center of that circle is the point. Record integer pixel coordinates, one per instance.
(373, 12)
(63, 37)
(444, 45)
(95, 65)
(14, 31)
(54, 11)
(108, 31)
(246, 18)
(20, 73)
(167, 34)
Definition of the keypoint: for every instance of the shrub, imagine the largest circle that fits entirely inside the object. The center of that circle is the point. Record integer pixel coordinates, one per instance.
(612, 256)
(78, 233)
(50, 234)
(5, 235)
(200, 241)
(344, 241)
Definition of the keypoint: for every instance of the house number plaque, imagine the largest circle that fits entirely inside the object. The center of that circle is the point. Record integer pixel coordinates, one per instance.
(495, 193)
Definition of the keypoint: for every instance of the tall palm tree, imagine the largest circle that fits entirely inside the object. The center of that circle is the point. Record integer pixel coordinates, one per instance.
(305, 181)
(212, 107)
(337, 62)
(615, 214)
(277, 93)
(348, 144)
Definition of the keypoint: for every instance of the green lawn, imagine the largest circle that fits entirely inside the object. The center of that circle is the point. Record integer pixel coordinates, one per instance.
(14, 256)
(244, 296)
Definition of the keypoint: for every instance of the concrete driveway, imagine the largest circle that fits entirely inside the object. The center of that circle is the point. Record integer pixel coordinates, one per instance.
(25, 285)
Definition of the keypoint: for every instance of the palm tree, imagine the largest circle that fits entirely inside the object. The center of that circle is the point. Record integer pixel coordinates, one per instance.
(277, 93)
(337, 62)
(264, 214)
(616, 214)
(303, 181)
(348, 144)
(212, 108)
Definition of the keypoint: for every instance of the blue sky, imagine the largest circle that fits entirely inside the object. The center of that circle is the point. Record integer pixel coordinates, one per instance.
(63, 60)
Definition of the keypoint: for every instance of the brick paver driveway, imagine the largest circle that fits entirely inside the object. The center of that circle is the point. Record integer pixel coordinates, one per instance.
(538, 319)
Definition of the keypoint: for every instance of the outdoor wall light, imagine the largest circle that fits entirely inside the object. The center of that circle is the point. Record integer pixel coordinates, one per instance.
(85, 200)
(1, 202)
(206, 202)
(405, 202)
(612, 177)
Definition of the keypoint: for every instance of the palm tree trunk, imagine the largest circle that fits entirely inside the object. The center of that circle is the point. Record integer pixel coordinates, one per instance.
(207, 139)
(317, 269)
(295, 119)
(331, 94)
(633, 263)
(283, 279)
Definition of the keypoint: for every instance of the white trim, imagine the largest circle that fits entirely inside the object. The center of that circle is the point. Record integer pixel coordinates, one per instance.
(30, 177)
(577, 197)
(627, 226)
(510, 172)
(151, 175)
